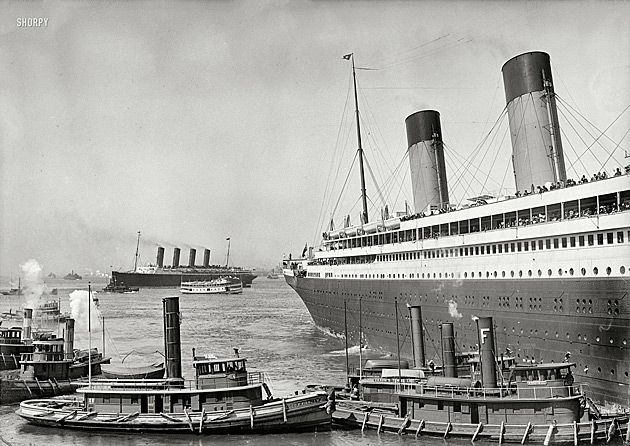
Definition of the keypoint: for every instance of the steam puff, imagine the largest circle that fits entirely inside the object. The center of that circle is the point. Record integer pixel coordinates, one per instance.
(452, 310)
(79, 310)
(33, 283)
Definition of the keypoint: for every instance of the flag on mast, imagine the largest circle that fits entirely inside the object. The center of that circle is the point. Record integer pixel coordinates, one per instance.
(348, 56)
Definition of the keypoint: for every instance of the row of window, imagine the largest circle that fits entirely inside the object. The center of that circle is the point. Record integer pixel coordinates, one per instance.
(473, 274)
(585, 207)
(574, 241)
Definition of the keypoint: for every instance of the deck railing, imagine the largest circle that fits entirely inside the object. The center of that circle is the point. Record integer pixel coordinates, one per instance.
(519, 393)
(253, 378)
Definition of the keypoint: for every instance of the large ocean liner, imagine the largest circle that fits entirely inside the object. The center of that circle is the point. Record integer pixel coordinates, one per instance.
(549, 264)
(160, 275)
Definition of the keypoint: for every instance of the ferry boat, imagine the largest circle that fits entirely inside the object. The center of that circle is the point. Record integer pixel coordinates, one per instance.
(549, 264)
(223, 398)
(222, 285)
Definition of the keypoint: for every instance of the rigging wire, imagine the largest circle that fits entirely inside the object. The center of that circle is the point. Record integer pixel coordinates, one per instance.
(326, 197)
(345, 183)
(602, 133)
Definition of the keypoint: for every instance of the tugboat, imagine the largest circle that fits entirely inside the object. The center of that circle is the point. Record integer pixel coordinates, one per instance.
(14, 341)
(539, 403)
(13, 291)
(72, 276)
(49, 365)
(224, 398)
(114, 287)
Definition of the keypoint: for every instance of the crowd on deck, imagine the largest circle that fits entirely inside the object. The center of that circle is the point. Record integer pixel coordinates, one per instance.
(539, 217)
(602, 175)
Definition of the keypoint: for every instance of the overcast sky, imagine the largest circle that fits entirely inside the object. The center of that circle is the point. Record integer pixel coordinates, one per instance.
(196, 121)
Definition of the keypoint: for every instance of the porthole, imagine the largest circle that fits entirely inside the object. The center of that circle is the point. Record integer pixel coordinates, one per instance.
(472, 274)
(465, 274)
(502, 273)
(520, 273)
(512, 273)
(549, 272)
(539, 273)
(495, 274)
(622, 269)
(529, 273)
(487, 273)
(560, 272)
(608, 270)
(571, 271)
(595, 270)
(583, 271)
(597, 339)
(611, 341)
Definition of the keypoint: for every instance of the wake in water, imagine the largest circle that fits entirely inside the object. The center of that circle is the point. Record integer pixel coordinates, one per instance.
(352, 351)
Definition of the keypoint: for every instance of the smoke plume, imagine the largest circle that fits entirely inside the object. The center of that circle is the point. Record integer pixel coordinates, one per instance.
(79, 310)
(452, 310)
(33, 283)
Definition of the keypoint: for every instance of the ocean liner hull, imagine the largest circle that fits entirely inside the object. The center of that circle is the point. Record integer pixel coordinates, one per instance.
(536, 320)
(174, 279)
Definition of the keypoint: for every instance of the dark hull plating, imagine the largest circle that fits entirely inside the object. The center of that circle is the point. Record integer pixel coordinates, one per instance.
(174, 278)
(537, 320)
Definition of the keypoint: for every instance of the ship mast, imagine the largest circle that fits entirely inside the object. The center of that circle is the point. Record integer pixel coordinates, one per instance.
(364, 215)
(135, 265)
(227, 259)
(90, 335)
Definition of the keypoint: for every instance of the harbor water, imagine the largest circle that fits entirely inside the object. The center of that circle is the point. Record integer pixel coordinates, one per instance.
(268, 323)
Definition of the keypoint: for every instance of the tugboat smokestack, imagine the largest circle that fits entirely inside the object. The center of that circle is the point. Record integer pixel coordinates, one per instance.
(448, 350)
(176, 257)
(172, 344)
(27, 323)
(68, 339)
(536, 144)
(191, 257)
(206, 258)
(486, 352)
(426, 160)
(160, 257)
(416, 335)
